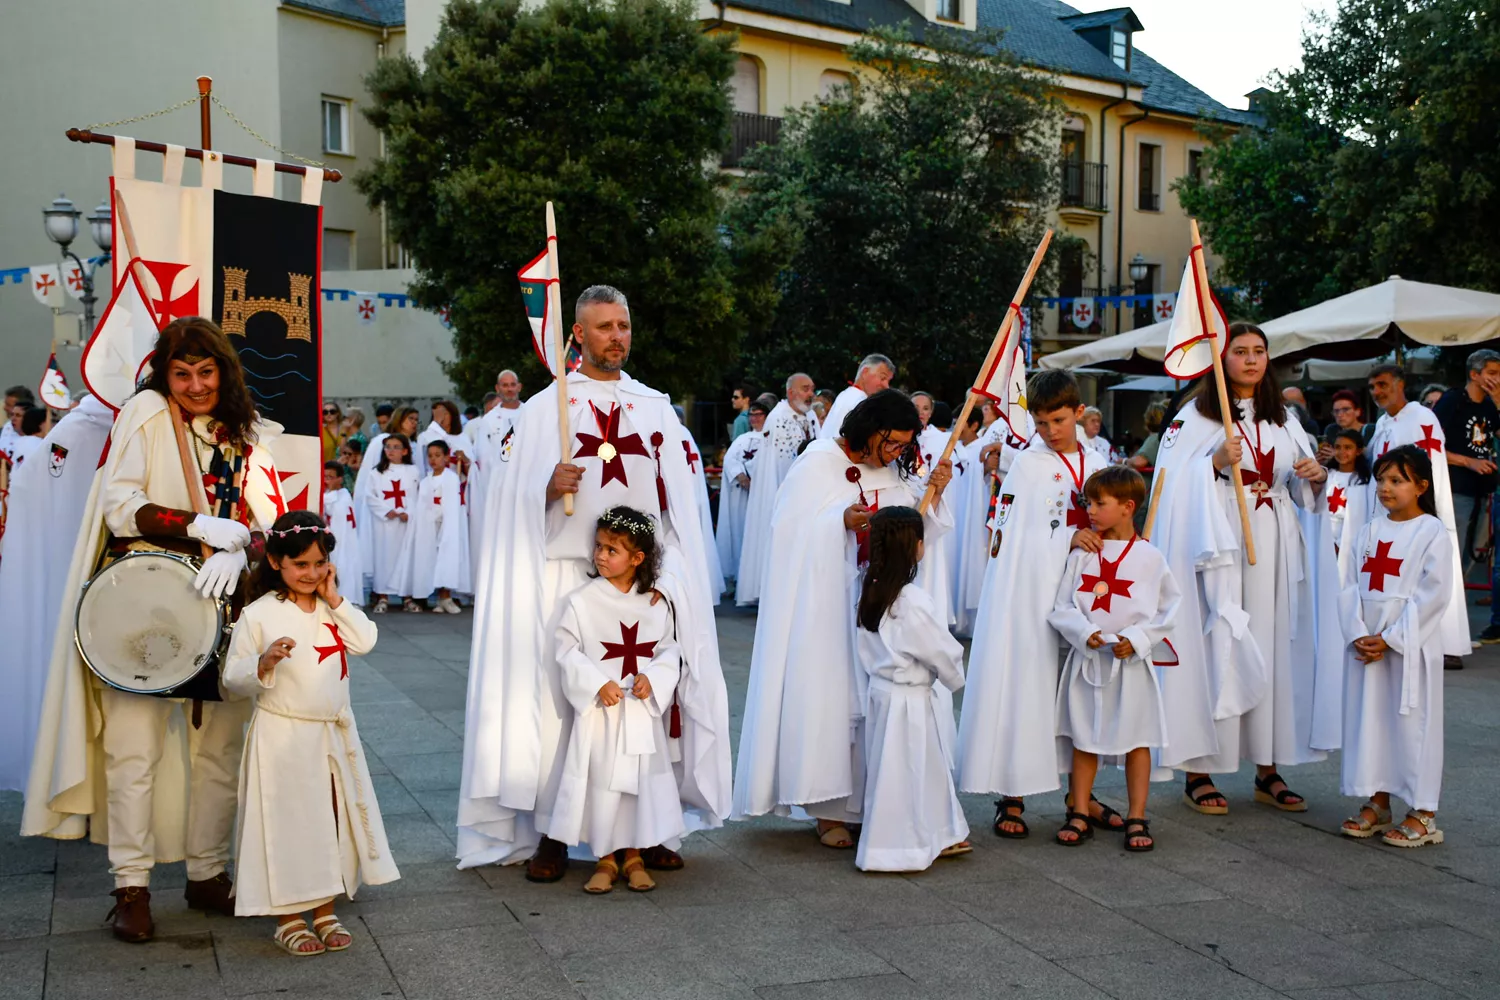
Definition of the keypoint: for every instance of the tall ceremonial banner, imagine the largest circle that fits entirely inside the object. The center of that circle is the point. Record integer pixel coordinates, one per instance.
(535, 277)
(252, 263)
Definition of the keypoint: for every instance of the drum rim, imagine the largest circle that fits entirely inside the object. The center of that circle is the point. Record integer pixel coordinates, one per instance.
(188, 561)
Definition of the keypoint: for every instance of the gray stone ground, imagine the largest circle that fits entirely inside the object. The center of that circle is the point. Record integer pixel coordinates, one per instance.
(1255, 904)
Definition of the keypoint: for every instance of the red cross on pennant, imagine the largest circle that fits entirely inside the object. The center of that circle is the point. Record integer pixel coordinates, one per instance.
(324, 652)
(609, 446)
(1429, 441)
(366, 309)
(628, 651)
(1164, 309)
(75, 279)
(1336, 500)
(395, 494)
(44, 283)
(692, 456)
(1380, 566)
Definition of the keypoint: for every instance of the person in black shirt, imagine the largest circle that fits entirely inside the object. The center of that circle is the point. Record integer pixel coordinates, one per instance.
(1470, 418)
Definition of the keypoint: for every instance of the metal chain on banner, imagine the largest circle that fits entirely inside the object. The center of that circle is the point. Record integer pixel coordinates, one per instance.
(140, 118)
(262, 139)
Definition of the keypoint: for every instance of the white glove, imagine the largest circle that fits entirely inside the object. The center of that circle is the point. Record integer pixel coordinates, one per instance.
(219, 533)
(220, 573)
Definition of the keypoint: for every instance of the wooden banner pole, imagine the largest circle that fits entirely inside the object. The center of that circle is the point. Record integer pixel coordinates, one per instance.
(1209, 316)
(205, 88)
(1159, 478)
(1002, 338)
(559, 353)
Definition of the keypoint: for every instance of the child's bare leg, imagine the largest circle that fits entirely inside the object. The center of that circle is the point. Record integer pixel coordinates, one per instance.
(1081, 787)
(1138, 781)
(634, 870)
(443, 593)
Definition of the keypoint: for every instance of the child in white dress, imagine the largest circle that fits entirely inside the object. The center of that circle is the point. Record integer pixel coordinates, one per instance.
(297, 846)
(338, 513)
(438, 539)
(1115, 609)
(393, 497)
(619, 662)
(912, 812)
(1348, 488)
(1396, 589)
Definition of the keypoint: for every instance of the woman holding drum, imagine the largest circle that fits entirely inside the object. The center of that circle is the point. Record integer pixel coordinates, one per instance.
(186, 480)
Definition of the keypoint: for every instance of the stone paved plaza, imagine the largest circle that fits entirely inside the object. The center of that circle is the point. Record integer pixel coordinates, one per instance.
(1255, 904)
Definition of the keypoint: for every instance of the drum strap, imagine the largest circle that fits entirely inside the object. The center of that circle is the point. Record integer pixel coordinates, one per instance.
(343, 722)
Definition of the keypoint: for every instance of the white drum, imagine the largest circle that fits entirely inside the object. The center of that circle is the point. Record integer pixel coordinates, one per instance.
(142, 626)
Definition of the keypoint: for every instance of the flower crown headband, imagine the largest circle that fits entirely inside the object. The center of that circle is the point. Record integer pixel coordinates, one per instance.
(287, 532)
(627, 520)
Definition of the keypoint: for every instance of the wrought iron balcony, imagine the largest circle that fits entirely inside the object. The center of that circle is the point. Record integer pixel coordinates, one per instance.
(748, 131)
(1084, 185)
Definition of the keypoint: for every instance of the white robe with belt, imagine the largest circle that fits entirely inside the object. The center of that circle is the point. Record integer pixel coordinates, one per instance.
(300, 839)
(911, 808)
(393, 492)
(439, 538)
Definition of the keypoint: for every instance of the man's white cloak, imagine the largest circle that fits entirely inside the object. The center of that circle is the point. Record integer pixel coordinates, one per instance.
(1416, 424)
(517, 722)
(492, 435)
(46, 505)
(800, 742)
(833, 424)
(786, 433)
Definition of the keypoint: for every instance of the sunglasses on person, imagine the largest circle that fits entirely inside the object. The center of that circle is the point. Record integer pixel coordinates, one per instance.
(329, 411)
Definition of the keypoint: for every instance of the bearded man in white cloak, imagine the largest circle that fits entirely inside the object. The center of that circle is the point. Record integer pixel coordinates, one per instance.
(119, 764)
(801, 744)
(626, 446)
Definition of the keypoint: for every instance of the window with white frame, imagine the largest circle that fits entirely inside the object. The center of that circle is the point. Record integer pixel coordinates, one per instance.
(1119, 48)
(336, 126)
(950, 10)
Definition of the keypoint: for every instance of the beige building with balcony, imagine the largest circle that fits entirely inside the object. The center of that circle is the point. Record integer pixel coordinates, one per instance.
(1133, 127)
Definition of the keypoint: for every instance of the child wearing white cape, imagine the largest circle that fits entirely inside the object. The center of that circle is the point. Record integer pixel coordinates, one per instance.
(393, 499)
(438, 543)
(297, 846)
(1396, 591)
(338, 512)
(1115, 608)
(912, 812)
(618, 791)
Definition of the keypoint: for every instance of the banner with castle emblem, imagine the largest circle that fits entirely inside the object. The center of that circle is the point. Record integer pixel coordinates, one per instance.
(251, 263)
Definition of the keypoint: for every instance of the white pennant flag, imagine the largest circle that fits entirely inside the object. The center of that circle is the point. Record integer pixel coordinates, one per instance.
(365, 305)
(53, 390)
(1163, 304)
(1190, 339)
(122, 343)
(46, 285)
(72, 280)
(1005, 381)
(1084, 313)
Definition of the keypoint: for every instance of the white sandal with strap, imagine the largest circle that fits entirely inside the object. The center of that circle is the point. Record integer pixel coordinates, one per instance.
(327, 927)
(1363, 828)
(291, 936)
(1402, 836)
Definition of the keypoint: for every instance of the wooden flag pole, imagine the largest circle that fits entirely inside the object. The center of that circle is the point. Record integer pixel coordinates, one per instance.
(1160, 477)
(1206, 313)
(1002, 337)
(559, 354)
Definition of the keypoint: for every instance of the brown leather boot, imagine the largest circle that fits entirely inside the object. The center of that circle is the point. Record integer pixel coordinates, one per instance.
(213, 895)
(132, 914)
(549, 863)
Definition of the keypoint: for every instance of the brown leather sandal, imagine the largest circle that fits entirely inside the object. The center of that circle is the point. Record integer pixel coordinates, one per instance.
(606, 873)
(636, 879)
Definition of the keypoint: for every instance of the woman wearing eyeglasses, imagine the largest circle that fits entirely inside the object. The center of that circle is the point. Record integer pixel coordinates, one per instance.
(333, 419)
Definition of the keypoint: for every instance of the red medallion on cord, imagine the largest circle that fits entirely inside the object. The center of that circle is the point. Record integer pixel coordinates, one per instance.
(1078, 514)
(1107, 583)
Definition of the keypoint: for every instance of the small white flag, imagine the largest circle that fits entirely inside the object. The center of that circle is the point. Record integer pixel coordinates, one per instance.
(53, 390)
(1084, 313)
(365, 305)
(72, 276)
(1189, 339)
(1005, 381)
(1163, 304)
(46, 285)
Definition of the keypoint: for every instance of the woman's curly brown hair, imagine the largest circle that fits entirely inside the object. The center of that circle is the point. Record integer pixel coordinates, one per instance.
(193, 338)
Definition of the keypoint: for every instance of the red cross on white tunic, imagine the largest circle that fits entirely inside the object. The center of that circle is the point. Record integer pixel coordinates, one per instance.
(1336, 500)
(609, 446)
(1429, 442)
(692, 456)
(1107, 583)
(628, 651)
(349, 515)
(1380, 566)
(324, 652)
(395, 494)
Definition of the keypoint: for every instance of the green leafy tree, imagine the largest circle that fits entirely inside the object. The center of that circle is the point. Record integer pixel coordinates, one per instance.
(1379, 156)
(898, 215)
(616, 112)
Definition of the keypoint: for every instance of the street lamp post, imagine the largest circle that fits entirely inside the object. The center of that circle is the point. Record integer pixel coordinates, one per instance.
(1138, 271)
(61, 221)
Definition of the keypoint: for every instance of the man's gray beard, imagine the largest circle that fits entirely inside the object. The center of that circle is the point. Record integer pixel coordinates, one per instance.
(608, 366)
(800, 407)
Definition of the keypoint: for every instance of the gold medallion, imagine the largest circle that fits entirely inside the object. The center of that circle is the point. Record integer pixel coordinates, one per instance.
(607, 452)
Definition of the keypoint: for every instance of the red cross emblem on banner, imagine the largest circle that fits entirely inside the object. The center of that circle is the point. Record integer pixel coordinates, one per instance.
(275, 478)
(75, 279)
(1083, 314)
(44, 283)
(395, 494)
(1429, 442)
(169, 307)
(628, 651)
(1164, 309)
(366, 309)
(1380, 566)
(324, 652)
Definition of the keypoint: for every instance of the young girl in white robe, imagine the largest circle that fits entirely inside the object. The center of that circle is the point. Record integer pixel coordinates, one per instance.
(1115, 608)
(619, 662)
(438, 542)
(392, 499)
(1348, 490)
(338, 512)
(1396, 592)
(912, 812)
(309, 827)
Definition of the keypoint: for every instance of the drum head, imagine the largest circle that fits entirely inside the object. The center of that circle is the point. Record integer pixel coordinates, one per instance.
(143, 627)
